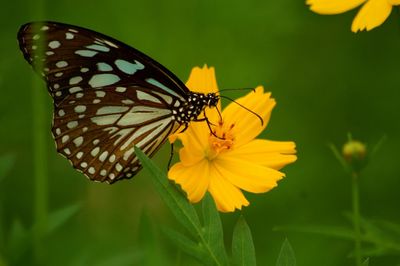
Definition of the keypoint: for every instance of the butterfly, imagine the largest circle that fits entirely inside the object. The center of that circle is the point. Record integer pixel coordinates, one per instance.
(108, 98)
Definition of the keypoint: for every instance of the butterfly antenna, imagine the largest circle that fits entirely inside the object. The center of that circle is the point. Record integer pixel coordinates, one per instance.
(244, 107)
(239, 89)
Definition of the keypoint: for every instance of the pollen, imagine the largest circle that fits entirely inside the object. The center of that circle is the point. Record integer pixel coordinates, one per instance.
(221, 140)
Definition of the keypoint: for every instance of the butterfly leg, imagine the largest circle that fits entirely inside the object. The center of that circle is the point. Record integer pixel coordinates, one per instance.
(209, 126)
(171, 155)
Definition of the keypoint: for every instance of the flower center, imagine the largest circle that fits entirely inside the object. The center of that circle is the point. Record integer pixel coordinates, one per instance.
(221, 141)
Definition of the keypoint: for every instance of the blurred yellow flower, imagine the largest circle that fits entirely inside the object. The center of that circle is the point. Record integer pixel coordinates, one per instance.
(236, 161)
(372, 14)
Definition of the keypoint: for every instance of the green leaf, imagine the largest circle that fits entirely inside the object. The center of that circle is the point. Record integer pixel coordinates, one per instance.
(177, 203)
(384, 235)
(121, 259)
(339, 157)
(213, 232)
(366, 262)
(378, 146)
(187, 245)
(19, 241)
(57, 218)
(243, 252)
(149, 242)
(286, 255)
(332, 231)
(6, 162)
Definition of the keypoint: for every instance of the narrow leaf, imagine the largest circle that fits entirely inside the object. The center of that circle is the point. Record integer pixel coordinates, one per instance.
(286, 255)
(243, 252)
(177, 203)
(339, 157)
(333, 231)
(366, 262)
(213, 232)
(58, 218)
(187, 245)
(149, 242)
(122, 259)
(6, 162)
(19, 240)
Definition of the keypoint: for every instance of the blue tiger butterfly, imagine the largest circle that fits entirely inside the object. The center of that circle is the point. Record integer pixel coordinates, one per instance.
(108, 98)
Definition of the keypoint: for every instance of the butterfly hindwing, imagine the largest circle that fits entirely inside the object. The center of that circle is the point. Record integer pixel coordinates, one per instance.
(108, 98)
(98, 135)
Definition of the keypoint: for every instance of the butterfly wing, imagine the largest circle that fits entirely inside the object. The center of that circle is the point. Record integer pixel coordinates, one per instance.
(108, 97)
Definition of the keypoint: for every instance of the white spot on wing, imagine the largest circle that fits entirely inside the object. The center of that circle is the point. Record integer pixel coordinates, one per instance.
(61, 64)
(86, 53)
(163, 87)
(91, 170)
(128, 67)
(127, 102)
(103, 156)
(145, 96)
(72, 124)
(120, 89)
(100, 80)
(78, 141)
(69, 36)
(75, 80)
(105, 120)
(75, 89)
(111, 110)
(54, 44)
(140, 114)
(97, 47)
(128, 153)
(80, 108)
(65, 138)
(100, 93)
(104, 67)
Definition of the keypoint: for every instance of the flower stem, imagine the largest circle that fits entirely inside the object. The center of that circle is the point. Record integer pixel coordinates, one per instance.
(356, 218)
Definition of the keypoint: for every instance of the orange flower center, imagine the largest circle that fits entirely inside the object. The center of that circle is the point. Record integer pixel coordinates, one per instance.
(221, 140)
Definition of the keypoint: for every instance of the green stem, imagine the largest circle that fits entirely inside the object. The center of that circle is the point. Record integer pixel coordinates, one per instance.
(356, 218)
(39, 134)
(2, 262)
(40, 168)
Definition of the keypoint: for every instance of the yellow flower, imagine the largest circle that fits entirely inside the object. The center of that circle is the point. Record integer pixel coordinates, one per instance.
(236, 160)
(372, 14)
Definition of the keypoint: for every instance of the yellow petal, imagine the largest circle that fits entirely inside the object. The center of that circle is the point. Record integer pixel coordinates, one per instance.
(371, 15)
(329, 7)
(274, 154)
(227, 197)
(246, 125)
(193, 179)
(247, 175)
(202, 80)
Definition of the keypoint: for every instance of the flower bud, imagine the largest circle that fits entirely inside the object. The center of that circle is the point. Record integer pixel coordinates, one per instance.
(354, 152)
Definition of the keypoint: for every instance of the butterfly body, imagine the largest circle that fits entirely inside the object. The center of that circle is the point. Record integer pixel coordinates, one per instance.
(108, 98)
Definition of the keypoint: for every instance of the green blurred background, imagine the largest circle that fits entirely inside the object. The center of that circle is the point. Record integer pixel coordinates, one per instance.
(326, 80)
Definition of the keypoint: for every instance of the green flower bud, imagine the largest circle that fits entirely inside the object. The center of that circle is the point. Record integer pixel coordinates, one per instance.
(355, 153)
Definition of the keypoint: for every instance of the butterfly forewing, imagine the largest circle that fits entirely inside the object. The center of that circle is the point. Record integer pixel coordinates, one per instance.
(108, 97)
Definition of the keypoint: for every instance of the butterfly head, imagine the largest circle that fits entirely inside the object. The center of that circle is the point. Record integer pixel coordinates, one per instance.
(211, 99)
